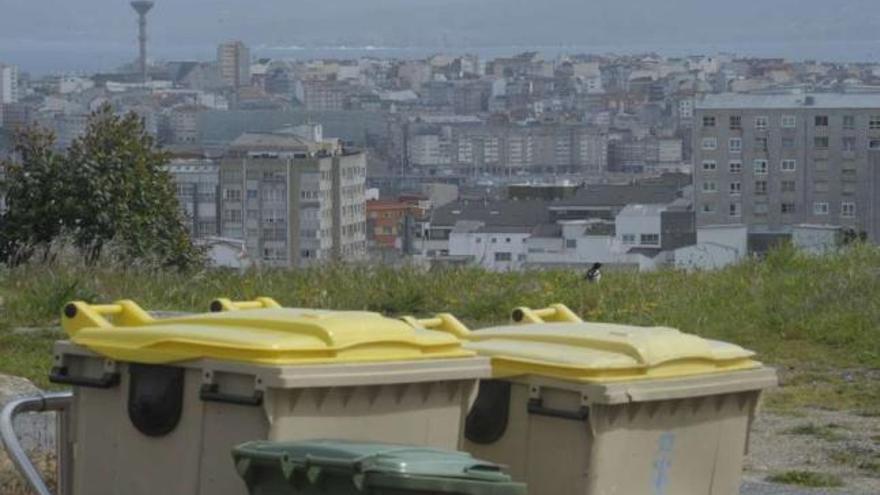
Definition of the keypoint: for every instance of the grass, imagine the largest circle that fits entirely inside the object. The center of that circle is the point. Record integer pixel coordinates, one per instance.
(12, 484)
(864, 459)
(810, 316)
(829, 432)
(806, 478)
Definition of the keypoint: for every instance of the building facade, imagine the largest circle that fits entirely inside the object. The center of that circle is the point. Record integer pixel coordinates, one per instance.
(771, 162)
(9, 92)
(294, 201)
(197, 182)
(234, 60)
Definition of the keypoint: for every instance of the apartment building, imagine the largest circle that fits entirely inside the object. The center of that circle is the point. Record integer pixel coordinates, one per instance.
(9, 92)
(196, 182)
(506, 150)
(775, 161)
(234, 60)
(294, 200)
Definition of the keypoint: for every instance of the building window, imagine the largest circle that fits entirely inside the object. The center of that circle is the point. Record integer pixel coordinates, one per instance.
(735, 188)
(820, 186)
(762, 123)
(821, 143)
(571, 243)
(760, 187)
(820, 208)
(874, 123)
(708, 121)
(849, 144)
(761, 144)
(232, 194)
(710, 143)
(735, 209)
(848, 209)
(874, 144)
(787, 208)
(735, 145)
(789, 121)
(788, 186)
(849, 122)
(649, 239)
(736, 122)
(760, 167)
(760, 209)
(849, 188)
(629, 239)
(708, 208)
(710, 186)
(821, 121)
(710, 165)
(503, 257)
(735, 167)
(788, 143)
(789, 165)
(232, 215)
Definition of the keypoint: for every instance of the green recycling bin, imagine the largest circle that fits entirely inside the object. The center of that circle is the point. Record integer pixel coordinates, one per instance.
(335, 467)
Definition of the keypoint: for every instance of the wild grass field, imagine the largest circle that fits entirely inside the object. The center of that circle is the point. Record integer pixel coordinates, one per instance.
(816, 318)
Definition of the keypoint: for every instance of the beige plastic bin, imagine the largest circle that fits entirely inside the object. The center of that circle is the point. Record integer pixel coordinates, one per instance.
(159, 404)
(588, 408)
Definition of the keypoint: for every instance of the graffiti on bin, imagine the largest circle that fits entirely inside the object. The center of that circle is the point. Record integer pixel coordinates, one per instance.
(662, 463)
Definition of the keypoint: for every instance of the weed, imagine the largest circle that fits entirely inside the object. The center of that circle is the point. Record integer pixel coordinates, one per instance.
(829, 432)
(806, 478)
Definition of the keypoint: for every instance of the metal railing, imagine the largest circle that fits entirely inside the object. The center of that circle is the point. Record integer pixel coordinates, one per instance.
(59, 402)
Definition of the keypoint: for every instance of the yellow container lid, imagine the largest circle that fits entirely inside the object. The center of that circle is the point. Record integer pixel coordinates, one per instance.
(270, 335)
(598, 352)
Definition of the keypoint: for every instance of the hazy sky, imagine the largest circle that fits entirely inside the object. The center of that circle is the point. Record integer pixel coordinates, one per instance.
(195, 25)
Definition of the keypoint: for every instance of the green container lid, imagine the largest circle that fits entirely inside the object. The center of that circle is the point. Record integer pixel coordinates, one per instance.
(342, 467)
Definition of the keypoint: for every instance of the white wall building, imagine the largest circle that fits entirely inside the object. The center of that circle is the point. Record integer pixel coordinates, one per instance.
(717, 246)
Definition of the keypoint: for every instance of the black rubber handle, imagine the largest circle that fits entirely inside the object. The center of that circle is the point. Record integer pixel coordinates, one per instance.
(60, 374)
(536, 406)
(210, 392)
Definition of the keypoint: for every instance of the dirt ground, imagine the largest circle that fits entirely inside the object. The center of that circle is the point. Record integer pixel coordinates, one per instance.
(843, 444)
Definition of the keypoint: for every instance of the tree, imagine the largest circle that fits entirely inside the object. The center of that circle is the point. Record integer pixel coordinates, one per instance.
(109, 187)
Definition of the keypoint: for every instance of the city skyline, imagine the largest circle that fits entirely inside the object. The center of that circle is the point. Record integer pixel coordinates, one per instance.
(96, 34)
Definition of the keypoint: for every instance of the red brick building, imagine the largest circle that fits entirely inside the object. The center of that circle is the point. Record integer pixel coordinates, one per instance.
(386, 219)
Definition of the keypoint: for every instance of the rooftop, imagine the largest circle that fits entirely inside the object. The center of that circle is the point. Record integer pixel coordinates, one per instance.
(608, 195)
(784, 101)
(505, 213)
(273, 142)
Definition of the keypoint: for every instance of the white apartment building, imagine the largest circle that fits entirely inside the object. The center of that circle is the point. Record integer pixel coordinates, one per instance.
(294, 201)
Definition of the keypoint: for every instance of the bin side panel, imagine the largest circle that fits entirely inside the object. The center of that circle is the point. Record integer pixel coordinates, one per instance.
(225, 426)
(426, 414)
(558, 448)
(675, 447)
(511, 449)
(96, 425)
(113, 457)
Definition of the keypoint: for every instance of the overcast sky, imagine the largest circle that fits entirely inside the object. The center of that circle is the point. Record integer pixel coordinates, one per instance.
(180, 24)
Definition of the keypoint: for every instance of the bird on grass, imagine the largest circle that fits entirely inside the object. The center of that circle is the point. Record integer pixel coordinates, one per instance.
(594, 275)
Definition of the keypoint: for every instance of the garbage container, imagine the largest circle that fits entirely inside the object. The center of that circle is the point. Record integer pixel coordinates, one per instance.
(591, 408)
(335, 467)
(159, 403)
